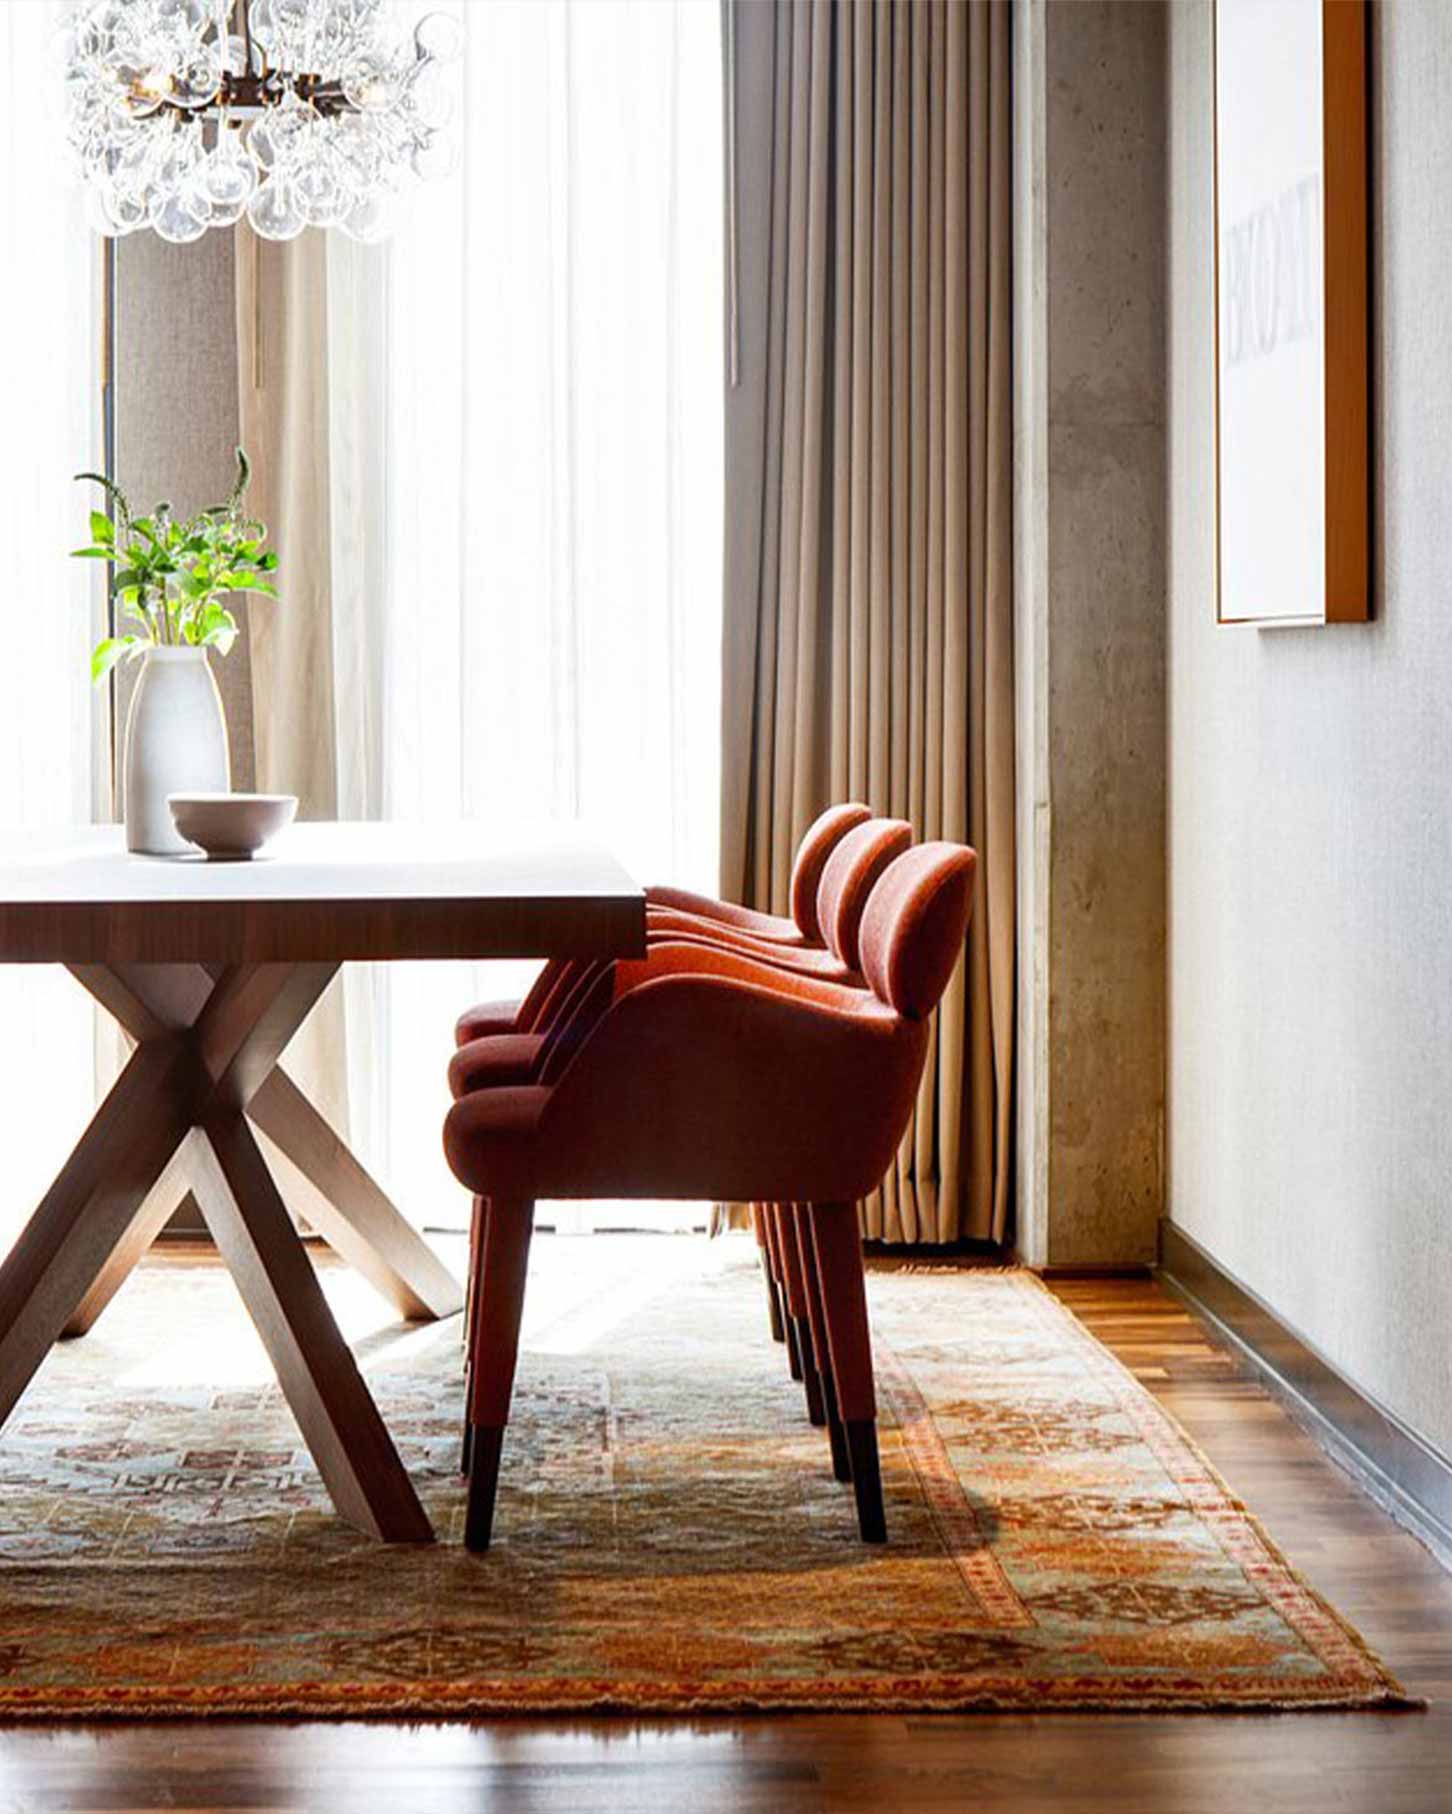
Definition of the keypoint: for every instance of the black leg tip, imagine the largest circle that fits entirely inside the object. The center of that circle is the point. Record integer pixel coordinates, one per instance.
(811, 1378)
(485, 1447)
(836, 1435)
(773, 1310)
(861, 1436)
(841, 1460)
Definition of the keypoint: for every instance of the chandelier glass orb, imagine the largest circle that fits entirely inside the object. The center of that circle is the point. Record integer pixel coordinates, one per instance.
(190, 114)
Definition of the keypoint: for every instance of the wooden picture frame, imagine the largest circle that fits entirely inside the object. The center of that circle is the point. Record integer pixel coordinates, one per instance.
(1292, 458)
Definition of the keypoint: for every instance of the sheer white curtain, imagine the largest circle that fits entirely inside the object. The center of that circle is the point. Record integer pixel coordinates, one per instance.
(526, 470)
(49, 378)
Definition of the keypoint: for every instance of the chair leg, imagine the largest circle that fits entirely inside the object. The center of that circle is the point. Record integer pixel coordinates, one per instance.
(772, 1212)
(816, 1318)
(866, 1472)
(479, 1213)
(499, 1293)
(795, 1281)
(844, 1302)
(778, 1280)
(811, 1375)
(484, 1451)
(794, 1356)
(773, 1300)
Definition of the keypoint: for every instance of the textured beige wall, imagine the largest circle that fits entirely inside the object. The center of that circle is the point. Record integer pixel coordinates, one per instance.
(176, 406)
(1091, 575)
(1311, 806)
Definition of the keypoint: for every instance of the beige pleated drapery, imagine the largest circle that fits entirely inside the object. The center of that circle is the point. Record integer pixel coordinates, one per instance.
(868, 568)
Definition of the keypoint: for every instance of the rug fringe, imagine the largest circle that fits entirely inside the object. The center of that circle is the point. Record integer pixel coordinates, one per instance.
(624, 1702)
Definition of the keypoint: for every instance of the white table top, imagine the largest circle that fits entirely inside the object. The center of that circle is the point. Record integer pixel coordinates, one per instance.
(320, 893)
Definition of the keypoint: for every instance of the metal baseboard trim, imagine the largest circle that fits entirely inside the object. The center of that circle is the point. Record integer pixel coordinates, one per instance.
(1404, 1474)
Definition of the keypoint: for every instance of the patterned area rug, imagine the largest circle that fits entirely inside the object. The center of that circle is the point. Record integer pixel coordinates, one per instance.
(669, 1536)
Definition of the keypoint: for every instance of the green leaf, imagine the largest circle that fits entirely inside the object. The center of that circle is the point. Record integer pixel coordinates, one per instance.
(103, 530)
(112, 649)
(105, 655)
(218, 628)
(93, 554)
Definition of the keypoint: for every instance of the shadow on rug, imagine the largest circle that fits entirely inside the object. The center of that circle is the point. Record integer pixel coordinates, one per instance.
(669, 1536)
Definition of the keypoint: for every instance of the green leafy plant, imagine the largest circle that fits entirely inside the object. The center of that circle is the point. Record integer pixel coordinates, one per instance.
(172, 580)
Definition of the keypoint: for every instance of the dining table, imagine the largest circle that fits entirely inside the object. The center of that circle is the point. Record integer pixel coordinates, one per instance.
(210, 968)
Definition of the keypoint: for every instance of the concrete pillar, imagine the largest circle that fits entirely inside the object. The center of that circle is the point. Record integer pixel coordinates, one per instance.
(1090, 129)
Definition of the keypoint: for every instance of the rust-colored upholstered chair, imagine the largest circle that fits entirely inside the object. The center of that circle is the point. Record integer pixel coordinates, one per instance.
(713, 1074)
(555, 983)
(847, 879)
(844, 885)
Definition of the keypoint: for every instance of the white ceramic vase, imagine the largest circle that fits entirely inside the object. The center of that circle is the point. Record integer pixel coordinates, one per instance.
(176, 743)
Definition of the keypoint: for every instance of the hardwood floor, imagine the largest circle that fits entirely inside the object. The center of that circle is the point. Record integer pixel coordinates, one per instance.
(1195, 1764)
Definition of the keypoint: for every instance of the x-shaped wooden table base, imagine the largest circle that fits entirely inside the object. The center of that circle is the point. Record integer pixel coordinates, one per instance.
(179, 1118)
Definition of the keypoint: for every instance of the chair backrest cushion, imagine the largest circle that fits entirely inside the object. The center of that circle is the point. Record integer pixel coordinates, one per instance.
(820, 839)
(913, 928)
(849, 878)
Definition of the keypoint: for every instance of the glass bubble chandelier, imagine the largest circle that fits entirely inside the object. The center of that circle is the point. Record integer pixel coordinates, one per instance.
(189, 114)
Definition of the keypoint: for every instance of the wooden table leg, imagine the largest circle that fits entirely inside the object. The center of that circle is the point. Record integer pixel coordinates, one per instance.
(314, 1366)
(356, 1218)
(93, 1203)
(207, 1044)
(159, 1206)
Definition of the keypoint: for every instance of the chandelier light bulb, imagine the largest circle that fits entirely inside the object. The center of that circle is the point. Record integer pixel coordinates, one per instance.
(188, 114)
(438, 36)
(273, 213)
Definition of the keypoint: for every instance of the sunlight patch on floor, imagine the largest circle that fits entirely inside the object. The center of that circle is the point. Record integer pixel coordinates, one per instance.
(580, 1288)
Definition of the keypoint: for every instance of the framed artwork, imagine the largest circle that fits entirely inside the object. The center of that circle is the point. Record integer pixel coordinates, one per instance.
(1291, 418)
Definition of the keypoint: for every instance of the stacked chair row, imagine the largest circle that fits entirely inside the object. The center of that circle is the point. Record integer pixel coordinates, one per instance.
(747, 1057)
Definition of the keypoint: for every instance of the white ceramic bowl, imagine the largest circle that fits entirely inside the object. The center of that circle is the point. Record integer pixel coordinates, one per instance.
(231, 825)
